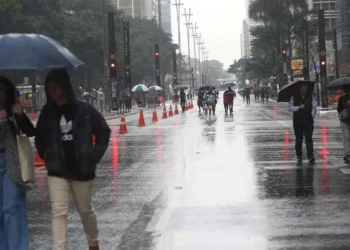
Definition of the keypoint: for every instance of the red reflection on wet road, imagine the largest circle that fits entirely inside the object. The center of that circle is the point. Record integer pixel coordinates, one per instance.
(115, 160)
(324, 137)
(286, 145)
(275, 111)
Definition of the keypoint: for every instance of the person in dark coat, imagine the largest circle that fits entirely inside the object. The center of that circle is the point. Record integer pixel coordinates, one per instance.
(64, 139)
(344, 106)
(304, 110)
(183, 100)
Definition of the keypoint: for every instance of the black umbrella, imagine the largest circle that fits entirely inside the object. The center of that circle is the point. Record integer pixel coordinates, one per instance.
(207, 87)
(180, 87)
(292, 88)
(339, 83)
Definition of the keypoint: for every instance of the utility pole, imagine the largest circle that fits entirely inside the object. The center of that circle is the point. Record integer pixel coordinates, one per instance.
(204, 65)
(207, 58)
(323, 62)
(335, 47)
(199, 43)
(178, 5)
(105, 71)
(188, 25)
(194, 32)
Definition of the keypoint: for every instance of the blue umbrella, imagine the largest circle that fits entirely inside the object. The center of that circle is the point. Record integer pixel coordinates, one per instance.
(34, 52)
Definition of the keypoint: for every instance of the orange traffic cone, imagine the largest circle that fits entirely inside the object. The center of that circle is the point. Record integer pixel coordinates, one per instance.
(176, 110)
(141, 119)
(155, 117)
(165, 116)
(32, 115)
(171, 111)
(38, 162)
(122, 128)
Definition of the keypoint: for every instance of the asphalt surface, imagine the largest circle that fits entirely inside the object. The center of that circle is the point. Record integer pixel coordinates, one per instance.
(187, 183)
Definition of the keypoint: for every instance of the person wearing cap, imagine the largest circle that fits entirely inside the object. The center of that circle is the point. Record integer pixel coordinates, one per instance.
(304, 111)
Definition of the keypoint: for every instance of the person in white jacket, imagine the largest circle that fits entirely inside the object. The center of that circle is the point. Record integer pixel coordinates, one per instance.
(101, 99)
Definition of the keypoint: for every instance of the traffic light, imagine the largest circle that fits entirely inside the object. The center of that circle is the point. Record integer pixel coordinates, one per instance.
(323, 63)
(157, 63)
(284, 52)
(334, 44)
(112, 65)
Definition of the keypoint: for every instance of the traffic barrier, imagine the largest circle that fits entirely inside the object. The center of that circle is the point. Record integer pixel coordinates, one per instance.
(171, 113)
(122, 128)
(155, 117)
(176, 110)
(141, 119)
(38, 162)
(165, 116)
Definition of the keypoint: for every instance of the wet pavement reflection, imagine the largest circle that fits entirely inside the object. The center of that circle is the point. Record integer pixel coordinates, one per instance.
(187, 183)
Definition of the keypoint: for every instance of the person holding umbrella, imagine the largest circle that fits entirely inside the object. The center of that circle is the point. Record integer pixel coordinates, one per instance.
(304, 110)
(13, 212)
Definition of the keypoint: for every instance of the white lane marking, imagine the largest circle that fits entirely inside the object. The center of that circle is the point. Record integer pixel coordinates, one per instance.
(297, 167)
(168, 212)
(345, 171)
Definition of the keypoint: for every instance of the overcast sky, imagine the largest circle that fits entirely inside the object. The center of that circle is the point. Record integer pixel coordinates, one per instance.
(219, 22)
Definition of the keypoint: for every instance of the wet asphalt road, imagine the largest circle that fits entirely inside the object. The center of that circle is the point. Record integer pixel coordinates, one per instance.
(189, 184)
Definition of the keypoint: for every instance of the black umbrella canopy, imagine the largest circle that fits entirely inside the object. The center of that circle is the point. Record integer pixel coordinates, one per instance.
(207, 87)
(292, 88)
(180, 87)
(338, 84)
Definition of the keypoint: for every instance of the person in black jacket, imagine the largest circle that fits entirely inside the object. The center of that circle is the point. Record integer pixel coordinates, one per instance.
(304, 110)
(64, 140)
(13, 212)
(343, 104)
(183, 100)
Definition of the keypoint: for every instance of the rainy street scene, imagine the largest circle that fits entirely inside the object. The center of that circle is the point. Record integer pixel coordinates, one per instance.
(151, 125)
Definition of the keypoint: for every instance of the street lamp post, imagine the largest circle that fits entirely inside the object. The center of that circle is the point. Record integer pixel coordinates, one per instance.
(188, 23)
(194, 32)
(199, 43)
(178, 5)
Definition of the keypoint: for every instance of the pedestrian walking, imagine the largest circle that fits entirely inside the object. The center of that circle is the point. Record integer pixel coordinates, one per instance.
(200, 101)
(101, 97)
(64, 139)
(13, 212)
(229, 96)
(87, 96)
(183, 100)
(304, 110)
(247, 95)
(344, 117)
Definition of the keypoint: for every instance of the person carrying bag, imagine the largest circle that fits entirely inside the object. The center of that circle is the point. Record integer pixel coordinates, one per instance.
(15, 168)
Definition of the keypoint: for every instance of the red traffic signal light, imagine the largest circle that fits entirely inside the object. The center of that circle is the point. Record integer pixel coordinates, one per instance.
(112, 65)
(284, 52)
(157, 53)
(323, 63)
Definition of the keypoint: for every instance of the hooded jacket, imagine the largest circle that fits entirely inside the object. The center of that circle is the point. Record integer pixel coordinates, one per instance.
(87, 121)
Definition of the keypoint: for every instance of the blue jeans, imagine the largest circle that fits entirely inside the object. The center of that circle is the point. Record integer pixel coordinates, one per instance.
(13, 214)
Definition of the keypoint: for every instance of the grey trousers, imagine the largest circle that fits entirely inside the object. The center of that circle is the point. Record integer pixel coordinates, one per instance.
(345, 127)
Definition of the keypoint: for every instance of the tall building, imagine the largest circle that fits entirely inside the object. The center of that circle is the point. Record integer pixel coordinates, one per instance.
(246, 36)
(138, 8)
(343, 30)
(166, 15)
(330, 11)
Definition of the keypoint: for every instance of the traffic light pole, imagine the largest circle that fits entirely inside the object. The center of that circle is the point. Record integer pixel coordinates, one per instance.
(112, 64)
(306, 52)
(157, 63)
(127, 66)
(174, 69)
(335, 47)
(323, 62)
